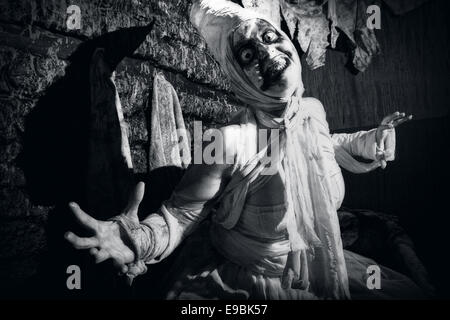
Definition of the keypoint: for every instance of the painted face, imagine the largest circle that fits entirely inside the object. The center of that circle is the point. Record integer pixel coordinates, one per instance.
(267, 57)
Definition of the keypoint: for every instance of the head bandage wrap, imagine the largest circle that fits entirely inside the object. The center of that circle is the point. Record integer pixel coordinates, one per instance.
(216, 21)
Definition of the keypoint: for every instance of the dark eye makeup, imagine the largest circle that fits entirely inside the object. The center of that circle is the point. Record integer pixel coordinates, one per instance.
(246, 54)
(246, 50)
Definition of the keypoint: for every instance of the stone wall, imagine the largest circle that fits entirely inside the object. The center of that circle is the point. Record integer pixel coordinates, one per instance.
(36, 49)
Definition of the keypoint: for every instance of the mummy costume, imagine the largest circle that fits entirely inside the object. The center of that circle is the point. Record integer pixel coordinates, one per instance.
(288, 247)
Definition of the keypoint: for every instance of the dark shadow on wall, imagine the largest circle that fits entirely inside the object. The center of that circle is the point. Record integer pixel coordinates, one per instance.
(54, 160)
(57, 129)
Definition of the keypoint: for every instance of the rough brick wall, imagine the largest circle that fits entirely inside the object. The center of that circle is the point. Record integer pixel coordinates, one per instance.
(34, 51)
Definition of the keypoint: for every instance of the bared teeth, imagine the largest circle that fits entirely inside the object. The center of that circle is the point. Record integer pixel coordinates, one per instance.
(278, 64)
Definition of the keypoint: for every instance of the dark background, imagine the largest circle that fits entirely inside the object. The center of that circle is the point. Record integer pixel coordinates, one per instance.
(412, 75)
(43, 101)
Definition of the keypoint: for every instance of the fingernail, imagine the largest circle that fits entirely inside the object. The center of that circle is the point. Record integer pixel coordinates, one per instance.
(73, 204)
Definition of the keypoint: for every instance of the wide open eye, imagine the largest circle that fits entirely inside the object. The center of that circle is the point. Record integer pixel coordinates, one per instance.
(270, 37)
(246, 55)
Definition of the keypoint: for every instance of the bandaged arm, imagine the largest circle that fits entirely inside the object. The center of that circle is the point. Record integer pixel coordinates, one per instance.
(361, 144)
(348, 145)
(156, 237)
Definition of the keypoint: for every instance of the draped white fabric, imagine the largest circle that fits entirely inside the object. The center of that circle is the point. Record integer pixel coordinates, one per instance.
(312, 219)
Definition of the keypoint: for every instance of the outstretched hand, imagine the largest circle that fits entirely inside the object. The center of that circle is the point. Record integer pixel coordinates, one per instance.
(107, 241)
(385, 136)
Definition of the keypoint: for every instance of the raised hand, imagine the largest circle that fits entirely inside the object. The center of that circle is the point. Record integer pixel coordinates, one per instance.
(385, 136)
(108, 242)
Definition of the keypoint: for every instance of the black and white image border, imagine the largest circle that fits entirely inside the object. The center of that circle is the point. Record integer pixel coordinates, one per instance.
(224, 150)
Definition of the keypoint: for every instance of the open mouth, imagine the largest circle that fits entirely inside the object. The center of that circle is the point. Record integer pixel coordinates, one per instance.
(273, 69)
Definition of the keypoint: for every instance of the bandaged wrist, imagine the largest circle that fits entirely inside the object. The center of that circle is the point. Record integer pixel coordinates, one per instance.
(158, 232)
(147, 239)
(128, 232)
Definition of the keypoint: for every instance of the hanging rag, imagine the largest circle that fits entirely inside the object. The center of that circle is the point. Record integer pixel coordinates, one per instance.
(169, 144)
